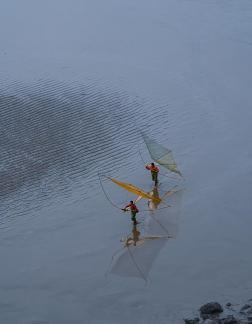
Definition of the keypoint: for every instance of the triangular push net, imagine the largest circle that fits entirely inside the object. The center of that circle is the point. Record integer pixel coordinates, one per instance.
(135, 190)
(161, 154)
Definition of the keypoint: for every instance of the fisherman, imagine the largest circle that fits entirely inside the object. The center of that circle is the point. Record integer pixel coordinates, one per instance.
(134, 210)
(154, 172)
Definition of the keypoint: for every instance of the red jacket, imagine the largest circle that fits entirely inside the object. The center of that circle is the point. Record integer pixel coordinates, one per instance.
(152, 168)
(132, 207)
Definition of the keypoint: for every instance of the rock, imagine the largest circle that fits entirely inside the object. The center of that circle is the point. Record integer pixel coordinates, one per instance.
(231, 320)
(192, 321)
(210, 309)
(228, 304)
(212, 321)
(245, 307)
(211, 318)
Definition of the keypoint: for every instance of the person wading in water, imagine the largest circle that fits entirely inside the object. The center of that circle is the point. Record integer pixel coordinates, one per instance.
(154, 172)
(134, 210)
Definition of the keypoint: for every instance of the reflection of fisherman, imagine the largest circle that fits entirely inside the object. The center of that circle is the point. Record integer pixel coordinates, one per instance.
(134, 210)
(151, 203)
(135, 237)
(154, 172)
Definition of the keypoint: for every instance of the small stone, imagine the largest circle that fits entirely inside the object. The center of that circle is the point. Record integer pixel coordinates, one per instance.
(210, 309)
(192, 321)
(211, 321)
(205, 316)
(231, 320)
(228, 304)
(245, 307)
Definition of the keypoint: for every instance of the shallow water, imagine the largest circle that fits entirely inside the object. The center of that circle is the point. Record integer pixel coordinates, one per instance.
(73, 95)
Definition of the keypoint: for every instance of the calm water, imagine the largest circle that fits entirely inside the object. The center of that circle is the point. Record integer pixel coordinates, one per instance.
(72, 99)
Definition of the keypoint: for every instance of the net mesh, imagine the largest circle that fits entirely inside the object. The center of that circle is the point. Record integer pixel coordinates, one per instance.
(136, 261)
(145, 242)
(135, 190)
(161, 155)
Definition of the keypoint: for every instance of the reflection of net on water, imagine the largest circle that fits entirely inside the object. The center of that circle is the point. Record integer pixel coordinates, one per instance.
(136, 261)
(137, 256)
(164, 221)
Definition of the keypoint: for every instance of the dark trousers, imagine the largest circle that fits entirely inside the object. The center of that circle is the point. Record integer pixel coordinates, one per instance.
(133, 216)
(154, 176)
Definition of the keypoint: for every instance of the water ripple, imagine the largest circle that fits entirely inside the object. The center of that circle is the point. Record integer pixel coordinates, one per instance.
(55, 136)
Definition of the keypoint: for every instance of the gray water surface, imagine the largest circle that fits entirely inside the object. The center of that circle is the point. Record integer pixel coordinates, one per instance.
(77, 82)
